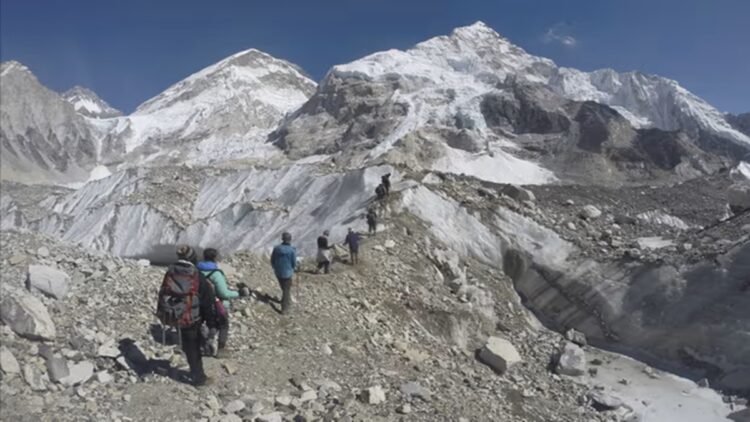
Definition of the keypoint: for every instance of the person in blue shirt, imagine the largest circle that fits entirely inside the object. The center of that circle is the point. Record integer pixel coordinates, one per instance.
(210, 269)
(284, 263)
(352, 240)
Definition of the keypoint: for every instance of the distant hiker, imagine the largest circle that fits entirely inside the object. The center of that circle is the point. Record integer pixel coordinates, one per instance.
(372, 221)
(324, 253)
(210, 269)
(352, 240)
(186, 300)
(380, 192)
(386, 182)
(284, 262)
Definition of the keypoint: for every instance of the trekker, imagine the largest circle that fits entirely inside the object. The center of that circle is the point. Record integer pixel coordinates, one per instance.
(380, 192)
(352, 240)
(210, 269)
(386, 182)
(372, 221)
(284, 261)
(324, 253)
(186, 301)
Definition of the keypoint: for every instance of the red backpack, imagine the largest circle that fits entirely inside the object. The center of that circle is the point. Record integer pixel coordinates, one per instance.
(179, 304)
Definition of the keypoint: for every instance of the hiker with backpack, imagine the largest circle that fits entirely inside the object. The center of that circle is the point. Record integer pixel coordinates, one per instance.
(372, 221)
(380, 192)
(386, 182)
(324, 253)
(210, 270)
(284, 263)
(352, 240)
(186, 300)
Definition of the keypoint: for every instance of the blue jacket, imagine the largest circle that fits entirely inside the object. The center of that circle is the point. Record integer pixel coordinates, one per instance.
(283, 260)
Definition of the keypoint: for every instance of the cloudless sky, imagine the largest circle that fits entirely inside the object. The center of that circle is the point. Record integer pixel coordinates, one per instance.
(129, 51)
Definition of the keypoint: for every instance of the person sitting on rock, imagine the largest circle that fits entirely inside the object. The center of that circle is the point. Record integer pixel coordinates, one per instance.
(324, 253)
(210, 269)
(352, 240)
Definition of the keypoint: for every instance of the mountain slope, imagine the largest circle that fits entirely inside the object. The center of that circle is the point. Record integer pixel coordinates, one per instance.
(429, 101)
(87, 103)
(223, 111)
(43, 138)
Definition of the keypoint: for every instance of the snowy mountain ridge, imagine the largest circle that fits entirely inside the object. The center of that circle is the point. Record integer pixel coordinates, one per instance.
(477, 55)
(87, 103)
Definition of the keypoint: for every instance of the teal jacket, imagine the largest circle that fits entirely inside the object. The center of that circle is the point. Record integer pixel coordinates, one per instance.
(212, 272)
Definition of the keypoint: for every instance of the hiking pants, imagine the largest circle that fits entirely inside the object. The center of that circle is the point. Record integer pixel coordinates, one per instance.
(191, 345)
(325, 266)
(354, 254)
(224, 334)
(286, 292)
(372, 227)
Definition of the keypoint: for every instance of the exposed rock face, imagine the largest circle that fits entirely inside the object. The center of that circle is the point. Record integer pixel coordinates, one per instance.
(42, 138)
(8, 362)
(740, 122)
(27, 316)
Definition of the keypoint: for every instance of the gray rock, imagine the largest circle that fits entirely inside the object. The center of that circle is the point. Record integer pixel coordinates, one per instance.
(404, 409)
(79, 374)
(389, 244)
(518, 193)
(576, 337)
(230, 418)
(415, 390)
(308, 395)
(283, 400)
(234, 406)
(8, 362)
(34, 378)
(104, 377)
(602, 401)
(42, 252)
(572, 361)
(27, 316)
(50, 281)
(57, 368)
(499, 354)
(373, 395)
(590, 212)
(270, 417)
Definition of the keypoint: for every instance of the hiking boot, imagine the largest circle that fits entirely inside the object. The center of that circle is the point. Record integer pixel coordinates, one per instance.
(205, 382)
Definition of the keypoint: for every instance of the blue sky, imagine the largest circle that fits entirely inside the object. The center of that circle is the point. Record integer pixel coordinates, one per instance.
(129, 51)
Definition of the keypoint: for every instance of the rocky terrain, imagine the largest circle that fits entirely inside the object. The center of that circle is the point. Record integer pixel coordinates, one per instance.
(542, 224)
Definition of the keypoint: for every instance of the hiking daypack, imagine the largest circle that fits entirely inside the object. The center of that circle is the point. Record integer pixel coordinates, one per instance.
(179, 304)
(220, 311)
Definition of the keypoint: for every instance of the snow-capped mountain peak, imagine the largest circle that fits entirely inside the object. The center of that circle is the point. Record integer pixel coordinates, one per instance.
(220, 112)
(87, 103)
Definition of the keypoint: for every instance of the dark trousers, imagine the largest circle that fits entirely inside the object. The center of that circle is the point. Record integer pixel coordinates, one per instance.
(372, 227)
(223, 333)
(191, 345)
(325, 266)
(354, 255)
(286, 293)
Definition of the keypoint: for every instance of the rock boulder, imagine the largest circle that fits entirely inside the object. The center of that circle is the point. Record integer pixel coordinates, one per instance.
(499, 354)
(27, 316)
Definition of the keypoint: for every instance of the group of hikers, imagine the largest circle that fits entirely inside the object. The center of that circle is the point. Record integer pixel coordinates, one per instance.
(195, 295)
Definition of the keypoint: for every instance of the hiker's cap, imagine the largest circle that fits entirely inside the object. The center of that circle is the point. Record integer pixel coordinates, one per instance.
(286, 237)
(186, 252)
